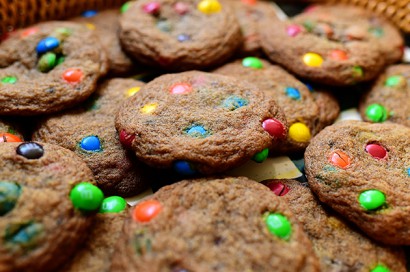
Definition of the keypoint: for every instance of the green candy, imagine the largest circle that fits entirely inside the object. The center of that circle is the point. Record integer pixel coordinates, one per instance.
(309, 25)
(393, 81)
(252, 62)
(113, 204)
(358, 71)
(261, 156)
(23, 234)
(378, 32)
(278, 225)
(86, 197)
(372, 199)
(125, 7)
(9, 80)
(376, 113)
(380, 268)
(60, 60)
(9, 195)
(47, 62)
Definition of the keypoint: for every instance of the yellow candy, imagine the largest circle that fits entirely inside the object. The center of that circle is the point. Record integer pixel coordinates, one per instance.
(299, 132)
(132, 91)
(90, 26)
(149, 108)
(312, 59)
(209, 6)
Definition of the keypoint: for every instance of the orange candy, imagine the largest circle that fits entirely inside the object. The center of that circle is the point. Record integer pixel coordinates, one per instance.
(249, 2)
(146, 210)
(338, 55)
(9, 138)
(29, 31)
(340, 159)
(72, 75)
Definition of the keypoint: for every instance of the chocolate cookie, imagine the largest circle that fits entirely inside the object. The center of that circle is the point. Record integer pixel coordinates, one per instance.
(95, 255)
(331, 45)
(199, 122)
(106, 26)
(301, 111)
(248, 14)
(89, 130)
(179, 35)
(361, 170)
(389, 96)
(42, 205)
(331, 235)
(43, 69)
(231, 224)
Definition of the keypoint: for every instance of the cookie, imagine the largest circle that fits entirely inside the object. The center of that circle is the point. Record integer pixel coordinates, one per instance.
(297, 103)
(330, 45)
(213, 225)
(95, 255)
(106, 26)
(42, 69)
(387, 101)
(89, 131)
(248, 14)
(43, 213)
(361, 170)
(329, 108)
(199, 122)
(331, 235)
(179, 35)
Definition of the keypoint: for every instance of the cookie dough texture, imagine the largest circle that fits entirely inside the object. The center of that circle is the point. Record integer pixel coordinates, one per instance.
(179, 40)
(32, 92)
(215, 123)
(349, 158)
(213, 225)
(43, 229)
(116, 170)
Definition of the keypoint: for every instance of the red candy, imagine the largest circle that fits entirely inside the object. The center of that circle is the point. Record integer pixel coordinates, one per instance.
(277, 187)
(9, 138)
(340, 159)
(29, 31)
(72, 75)
(181, 8)
(147, 210)
(376, 151)
(181, 88)
(151, 8)
(338, 55)
(126, 139)
(249, 2)
(274, 128)
(293, 30)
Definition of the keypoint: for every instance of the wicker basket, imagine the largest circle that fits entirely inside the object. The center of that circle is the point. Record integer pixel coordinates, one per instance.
(19, 13)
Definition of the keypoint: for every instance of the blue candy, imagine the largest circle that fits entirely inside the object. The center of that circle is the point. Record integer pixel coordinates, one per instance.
(233, 102)
(184, 168)
(47, 44)
(91, 143)
(292, 93)
(89, 13)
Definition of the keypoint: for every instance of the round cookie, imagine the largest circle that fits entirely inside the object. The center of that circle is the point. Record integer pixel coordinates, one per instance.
(248, 14)
(89, 130)
(331, 235)
(297, 103)
(388, 98)
(106, 26)
(95, 255)
(179, 35)
(329, 108)
(39, 225)
(199, 122)
(333, 47)
(213, 225)
(42, 69)
(361, 170)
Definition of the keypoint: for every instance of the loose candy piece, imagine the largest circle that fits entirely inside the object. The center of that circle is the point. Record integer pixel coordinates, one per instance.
(86, 197)
(146, 210)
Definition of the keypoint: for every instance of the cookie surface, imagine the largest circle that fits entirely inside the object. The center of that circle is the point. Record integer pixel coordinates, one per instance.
(39, 226)
(297, 103)
(331, 235)
(387, 100)
(106, 26)
(176, 35)
(329, 45)
(89, 130)
(42, 69)
(199, 122)
(213, 225)
(329, 108)
(361, 170)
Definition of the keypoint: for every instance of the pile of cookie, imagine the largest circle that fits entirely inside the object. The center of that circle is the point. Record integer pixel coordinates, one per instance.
(228, 82)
